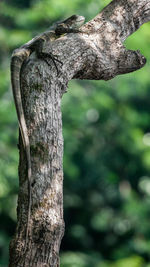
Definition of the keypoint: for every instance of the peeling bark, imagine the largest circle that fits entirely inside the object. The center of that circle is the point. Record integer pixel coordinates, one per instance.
(97, 53)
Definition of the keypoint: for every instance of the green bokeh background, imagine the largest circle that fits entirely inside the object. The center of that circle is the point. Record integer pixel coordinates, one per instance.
(106, 128)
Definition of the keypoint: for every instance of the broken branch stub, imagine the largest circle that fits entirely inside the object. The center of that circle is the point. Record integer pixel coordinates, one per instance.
(99, 52)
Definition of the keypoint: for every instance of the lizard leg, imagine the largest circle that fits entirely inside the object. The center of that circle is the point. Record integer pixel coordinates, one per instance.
(38, 47)
(45, 56)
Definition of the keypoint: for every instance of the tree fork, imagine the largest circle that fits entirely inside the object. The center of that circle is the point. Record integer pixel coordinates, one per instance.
(97, 53)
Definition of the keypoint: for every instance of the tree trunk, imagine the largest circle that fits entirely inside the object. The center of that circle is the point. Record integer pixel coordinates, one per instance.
(97, 53)
(42, 99)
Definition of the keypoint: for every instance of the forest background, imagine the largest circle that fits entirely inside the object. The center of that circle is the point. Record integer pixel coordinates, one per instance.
(106, 129)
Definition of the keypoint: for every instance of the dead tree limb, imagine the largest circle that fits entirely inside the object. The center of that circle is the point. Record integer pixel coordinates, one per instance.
(97, 53)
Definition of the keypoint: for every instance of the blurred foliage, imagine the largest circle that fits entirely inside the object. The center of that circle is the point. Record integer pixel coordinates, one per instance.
(106, 127)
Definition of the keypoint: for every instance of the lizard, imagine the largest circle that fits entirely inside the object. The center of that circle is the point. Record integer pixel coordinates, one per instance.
(19, 56)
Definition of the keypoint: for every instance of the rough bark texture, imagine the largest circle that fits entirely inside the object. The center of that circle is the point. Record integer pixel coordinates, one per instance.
(98, 53)
(43, 114)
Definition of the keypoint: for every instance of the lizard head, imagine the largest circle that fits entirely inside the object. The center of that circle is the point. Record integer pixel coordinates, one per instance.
(72, 23)
(75, 21)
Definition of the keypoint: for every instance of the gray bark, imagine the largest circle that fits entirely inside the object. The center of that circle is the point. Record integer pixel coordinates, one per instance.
(98, 53)
(42, 99)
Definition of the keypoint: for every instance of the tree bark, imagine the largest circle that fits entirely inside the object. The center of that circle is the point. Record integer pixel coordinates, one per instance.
(97, 53)
(42, 99)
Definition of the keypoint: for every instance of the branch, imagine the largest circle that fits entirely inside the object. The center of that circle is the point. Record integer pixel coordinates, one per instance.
(126, 16)
(98, 52)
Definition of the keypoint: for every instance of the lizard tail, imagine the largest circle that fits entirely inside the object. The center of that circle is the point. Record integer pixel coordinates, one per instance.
(17, 60)
(16, 63)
